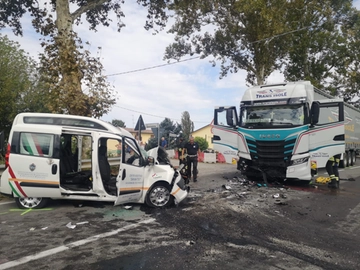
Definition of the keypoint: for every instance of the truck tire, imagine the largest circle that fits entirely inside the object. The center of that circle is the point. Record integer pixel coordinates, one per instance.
(342, 162)
(352, 158)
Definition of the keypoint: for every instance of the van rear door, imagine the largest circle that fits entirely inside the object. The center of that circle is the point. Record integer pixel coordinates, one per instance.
(34, 161)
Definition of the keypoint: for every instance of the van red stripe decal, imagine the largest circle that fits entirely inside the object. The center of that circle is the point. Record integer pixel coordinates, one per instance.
(12, 175)
(20, 189)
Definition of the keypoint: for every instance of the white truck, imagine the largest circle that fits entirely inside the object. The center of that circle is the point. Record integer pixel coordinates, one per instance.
(286, 131)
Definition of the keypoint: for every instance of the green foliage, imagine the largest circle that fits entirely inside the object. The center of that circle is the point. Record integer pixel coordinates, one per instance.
(187, 125)
(66, 67)
(118, 123)
(151, 144)
(203, 144)
(20, 87)
(320, 51)
(238, 34)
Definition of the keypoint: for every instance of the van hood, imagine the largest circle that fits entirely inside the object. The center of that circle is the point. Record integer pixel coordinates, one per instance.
(160, 155)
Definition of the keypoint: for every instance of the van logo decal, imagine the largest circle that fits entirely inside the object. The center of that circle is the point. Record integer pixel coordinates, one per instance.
(32, 167)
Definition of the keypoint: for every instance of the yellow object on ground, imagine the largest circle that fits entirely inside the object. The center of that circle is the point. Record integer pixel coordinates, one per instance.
(322, 180)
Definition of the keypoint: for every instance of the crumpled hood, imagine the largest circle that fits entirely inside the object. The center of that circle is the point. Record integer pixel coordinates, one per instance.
(159, 154)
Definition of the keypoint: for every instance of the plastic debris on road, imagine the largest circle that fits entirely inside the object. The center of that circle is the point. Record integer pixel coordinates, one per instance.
(71, 226)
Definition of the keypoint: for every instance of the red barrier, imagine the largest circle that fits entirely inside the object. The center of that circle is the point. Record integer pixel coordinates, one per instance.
(201, 157)
(220, 158)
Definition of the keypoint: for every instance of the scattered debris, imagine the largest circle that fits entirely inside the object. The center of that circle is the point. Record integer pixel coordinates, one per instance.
(81, 223)
(277, 195)
(44, 228)
(71, 226)
(328, 215)
(128, 207)
(227, 187)
(32, 229)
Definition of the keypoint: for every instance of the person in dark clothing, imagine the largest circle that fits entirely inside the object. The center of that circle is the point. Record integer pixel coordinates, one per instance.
(332, 169)
(193, 151)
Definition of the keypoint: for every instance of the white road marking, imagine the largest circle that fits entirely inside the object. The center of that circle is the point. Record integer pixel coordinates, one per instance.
(53, 251)
(351, 224)
(6, 203)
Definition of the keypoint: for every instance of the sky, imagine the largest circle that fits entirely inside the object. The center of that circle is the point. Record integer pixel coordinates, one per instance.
(167, 91)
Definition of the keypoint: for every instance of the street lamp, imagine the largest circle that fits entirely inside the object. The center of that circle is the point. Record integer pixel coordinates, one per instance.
(155, 125)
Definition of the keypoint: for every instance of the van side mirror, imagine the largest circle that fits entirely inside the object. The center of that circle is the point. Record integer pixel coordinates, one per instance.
(315, 112)
(150, 161)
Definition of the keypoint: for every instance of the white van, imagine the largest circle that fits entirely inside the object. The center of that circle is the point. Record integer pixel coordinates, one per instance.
(79, 158)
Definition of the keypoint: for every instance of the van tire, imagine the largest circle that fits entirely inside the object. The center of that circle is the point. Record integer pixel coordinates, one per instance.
(31, 202)
(159, 196)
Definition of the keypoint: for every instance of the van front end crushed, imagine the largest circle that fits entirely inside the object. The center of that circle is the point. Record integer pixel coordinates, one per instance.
(180, 190)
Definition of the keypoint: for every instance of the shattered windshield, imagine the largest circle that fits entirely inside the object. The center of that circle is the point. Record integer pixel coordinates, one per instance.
(272, 116)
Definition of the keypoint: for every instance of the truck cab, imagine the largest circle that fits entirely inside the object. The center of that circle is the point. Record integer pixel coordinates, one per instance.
(281, 130)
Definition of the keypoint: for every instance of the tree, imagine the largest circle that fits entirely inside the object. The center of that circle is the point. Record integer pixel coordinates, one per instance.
(66, 68)
(319, 51)
(187, 125)
(118, 123)
(20, 87)
(203, 144)
(241, 36)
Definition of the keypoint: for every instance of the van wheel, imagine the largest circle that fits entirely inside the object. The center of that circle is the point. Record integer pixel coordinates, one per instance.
(159, 196)
(31, 202)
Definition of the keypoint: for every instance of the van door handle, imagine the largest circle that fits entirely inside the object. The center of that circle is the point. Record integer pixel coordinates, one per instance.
(54, 169)
(123, 174)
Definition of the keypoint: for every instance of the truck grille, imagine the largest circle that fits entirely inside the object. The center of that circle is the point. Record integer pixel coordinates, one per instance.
(271, 153)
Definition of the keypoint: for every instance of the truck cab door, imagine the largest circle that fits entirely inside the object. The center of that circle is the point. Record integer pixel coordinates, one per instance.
(130, 181)
(225, 134)
(327, 130)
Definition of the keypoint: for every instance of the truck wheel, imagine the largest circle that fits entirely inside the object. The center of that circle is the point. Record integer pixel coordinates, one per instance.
(352, 158)
(31, 202)
(159, 196)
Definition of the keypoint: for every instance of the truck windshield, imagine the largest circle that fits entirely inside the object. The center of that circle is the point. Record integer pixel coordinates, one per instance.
(262, 116)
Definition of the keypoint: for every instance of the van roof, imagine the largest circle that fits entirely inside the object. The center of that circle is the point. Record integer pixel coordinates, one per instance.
(68, 121)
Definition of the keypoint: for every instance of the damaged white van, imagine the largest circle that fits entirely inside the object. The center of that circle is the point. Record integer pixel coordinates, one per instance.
(55, 156)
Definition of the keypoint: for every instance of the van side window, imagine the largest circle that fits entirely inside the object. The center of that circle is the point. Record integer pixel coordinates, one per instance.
(36, 144)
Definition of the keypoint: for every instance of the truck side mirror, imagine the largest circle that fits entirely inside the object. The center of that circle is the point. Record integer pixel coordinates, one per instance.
(315, 112)
(230, 118)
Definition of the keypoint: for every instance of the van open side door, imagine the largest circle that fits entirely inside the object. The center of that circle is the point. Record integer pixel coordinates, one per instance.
(130, 181)
(225, 134)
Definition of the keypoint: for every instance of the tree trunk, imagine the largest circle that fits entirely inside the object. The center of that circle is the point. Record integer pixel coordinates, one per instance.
(69, 65)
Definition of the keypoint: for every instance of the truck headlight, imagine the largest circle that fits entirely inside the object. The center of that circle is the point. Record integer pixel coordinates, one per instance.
(299, 161)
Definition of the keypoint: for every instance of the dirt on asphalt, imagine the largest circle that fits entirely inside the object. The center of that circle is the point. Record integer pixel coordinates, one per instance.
(231, 223)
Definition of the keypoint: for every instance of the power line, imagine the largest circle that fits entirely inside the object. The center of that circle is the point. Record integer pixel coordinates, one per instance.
(154, 115)
(157, 66)
(197, 57)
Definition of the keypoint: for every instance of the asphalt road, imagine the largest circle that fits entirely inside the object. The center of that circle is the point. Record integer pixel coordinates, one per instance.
(226, 223)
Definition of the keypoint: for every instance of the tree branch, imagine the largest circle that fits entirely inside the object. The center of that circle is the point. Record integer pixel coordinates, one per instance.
(83, 9)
